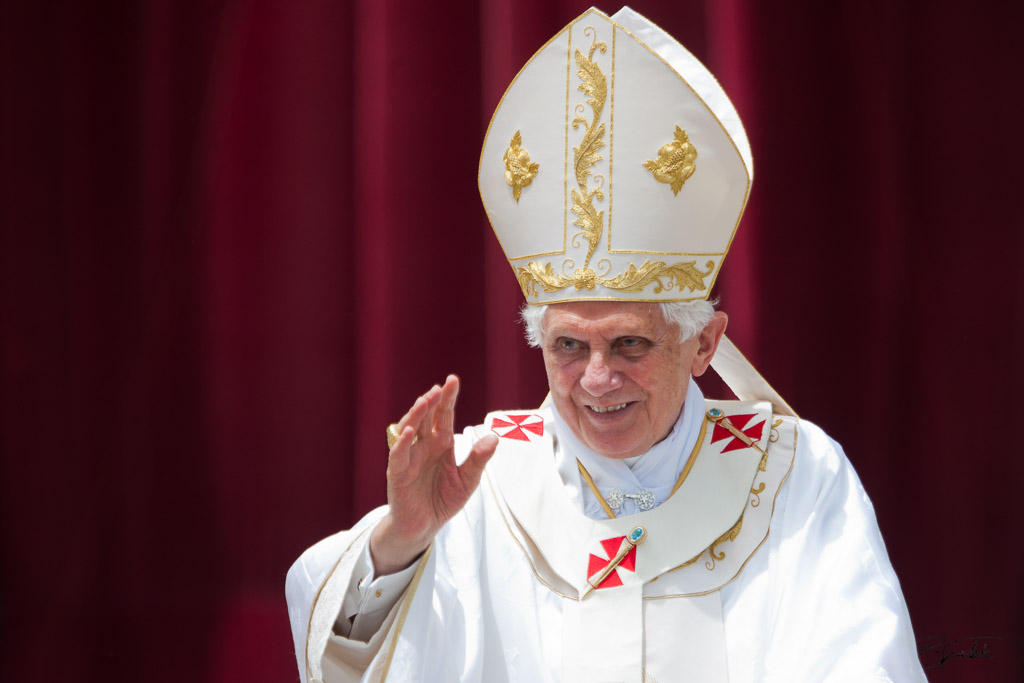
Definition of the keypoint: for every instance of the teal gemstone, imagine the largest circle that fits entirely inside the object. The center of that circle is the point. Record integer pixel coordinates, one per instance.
(715, 412)
(635, 534)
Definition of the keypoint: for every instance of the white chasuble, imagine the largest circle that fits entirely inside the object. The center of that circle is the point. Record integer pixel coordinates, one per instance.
(691, 548)
(764, 565)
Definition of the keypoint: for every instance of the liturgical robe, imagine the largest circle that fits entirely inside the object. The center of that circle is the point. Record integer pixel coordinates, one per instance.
(761, 561)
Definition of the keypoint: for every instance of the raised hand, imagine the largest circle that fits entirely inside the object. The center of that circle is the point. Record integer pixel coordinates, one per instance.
(425, 487)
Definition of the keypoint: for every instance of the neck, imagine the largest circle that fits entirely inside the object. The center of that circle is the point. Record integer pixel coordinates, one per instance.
(655, 470)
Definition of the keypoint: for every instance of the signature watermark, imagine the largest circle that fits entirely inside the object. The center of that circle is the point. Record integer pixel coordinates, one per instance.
(938, 650)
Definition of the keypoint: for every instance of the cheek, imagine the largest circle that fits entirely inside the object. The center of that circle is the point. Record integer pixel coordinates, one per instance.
(559, 378)
(665, 383)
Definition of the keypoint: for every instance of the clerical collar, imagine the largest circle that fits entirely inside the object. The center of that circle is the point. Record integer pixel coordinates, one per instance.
(656, 470)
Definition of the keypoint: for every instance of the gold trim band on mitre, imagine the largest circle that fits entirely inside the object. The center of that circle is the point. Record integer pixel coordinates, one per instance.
(664, 277)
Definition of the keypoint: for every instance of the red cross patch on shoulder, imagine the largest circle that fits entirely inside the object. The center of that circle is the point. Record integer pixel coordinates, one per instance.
(518, 427)
(737, 421)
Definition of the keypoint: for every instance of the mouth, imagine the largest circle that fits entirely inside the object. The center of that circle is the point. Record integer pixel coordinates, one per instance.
(608, 409)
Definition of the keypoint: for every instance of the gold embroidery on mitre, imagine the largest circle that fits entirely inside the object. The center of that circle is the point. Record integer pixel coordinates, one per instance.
(665, 277)
(676, 162)
(674, 159)
(595, 85)
(519, 172)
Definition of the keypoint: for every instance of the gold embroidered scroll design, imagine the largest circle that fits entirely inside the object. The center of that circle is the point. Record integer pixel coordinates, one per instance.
(662, 275)
(665, 277)
(594, 84)
(519, 171)
(773, 436)
(676, 162)
(730, 536)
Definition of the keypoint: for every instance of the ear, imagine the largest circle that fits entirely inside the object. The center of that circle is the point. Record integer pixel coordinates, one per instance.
(707, 343)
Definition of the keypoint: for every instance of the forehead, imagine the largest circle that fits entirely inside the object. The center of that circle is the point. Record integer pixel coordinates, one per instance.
(606, 318)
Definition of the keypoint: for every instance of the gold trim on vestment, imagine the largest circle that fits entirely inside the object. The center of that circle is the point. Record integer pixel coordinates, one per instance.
(403, 611)
(526, 555)
(593, 488)
(679, 482)
(316, 598)
(756, 549)
(693, 457)
(796, 437)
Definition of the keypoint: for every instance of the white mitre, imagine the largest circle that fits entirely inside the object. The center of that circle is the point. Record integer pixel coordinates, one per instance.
(615, 167)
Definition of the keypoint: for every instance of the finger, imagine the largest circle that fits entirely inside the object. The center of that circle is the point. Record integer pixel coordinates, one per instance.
(419, 411)
(444, 421)
(426, 424)
(415, 414)
(472, 469)
(400, 456)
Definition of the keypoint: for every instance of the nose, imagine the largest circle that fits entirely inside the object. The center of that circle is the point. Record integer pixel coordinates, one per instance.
(599, 377)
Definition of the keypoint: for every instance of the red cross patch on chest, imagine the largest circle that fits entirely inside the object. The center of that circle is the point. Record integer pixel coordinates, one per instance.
(738, 421)
(518, 427)
(621, 552)
(611, 548)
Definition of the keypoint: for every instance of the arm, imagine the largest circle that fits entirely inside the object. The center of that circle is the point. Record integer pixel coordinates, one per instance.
(839, 614)
(426, 488)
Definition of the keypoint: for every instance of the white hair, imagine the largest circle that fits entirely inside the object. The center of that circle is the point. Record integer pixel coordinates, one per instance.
(691, 317)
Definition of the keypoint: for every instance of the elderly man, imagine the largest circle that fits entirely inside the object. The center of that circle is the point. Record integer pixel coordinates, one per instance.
(628, 529)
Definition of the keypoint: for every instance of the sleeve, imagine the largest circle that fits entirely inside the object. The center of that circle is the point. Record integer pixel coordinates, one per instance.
(839, 611)
(315, 588)
(333, 582)
(369, 599)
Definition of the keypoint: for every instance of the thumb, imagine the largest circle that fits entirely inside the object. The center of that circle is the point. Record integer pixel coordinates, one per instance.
(472, 469)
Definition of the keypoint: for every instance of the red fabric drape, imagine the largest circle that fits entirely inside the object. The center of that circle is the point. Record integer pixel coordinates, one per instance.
(238, 238)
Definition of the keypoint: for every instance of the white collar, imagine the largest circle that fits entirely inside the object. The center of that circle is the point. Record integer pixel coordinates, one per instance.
(656, 470)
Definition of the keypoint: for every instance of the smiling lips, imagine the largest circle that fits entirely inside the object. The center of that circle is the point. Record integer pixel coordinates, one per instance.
(608, 409)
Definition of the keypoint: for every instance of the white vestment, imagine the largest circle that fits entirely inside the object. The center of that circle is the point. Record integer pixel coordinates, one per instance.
(758, 568)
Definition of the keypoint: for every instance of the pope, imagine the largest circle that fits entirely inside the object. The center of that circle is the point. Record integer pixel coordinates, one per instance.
(628, 529)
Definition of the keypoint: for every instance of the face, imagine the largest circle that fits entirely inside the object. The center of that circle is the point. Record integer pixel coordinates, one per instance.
(618, 373)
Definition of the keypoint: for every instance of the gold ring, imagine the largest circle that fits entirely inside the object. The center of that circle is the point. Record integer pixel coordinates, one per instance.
(393, 435)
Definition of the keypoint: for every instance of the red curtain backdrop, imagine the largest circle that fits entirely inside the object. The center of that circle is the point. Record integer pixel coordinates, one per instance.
(238, 238)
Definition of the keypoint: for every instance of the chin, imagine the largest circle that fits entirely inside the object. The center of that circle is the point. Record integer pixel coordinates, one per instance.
(615, 451)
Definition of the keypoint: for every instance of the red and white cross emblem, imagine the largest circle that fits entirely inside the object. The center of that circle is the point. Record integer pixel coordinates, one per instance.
(737, 421)
(611, 546)
(518, 427)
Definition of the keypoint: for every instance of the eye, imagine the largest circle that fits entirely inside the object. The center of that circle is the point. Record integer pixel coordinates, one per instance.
(564, 344)
(632, 346)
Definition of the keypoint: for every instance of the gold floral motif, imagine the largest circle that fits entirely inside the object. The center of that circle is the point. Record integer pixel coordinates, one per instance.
(595, 85)
(676, 162)
(774, 434)
(730, 536)
(757, 495)
(584, 278)
(763, 467)
(519, 172)
(682, 276)
(535, 274)
(665, 277)
(588, 219)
